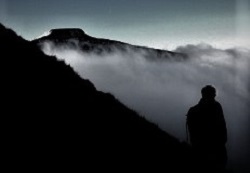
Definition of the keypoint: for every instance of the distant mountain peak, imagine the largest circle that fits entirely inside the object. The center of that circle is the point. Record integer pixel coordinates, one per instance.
(65, 33)
(71, 32)
(86, 43)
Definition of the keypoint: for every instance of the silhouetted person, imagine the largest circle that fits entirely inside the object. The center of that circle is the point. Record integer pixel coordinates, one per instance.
(207, 131)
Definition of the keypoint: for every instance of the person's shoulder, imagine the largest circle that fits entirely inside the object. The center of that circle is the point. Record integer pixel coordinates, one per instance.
(218, 107)
(192, 109)
(217, 104)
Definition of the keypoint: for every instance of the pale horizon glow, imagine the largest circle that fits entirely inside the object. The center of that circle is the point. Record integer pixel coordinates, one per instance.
(162, 24)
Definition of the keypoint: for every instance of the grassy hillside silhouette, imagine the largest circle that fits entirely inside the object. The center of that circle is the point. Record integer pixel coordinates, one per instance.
(55, 120)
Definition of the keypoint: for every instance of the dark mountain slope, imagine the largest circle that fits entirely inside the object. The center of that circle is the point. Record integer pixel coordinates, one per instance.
(78, 39)
(54, 120)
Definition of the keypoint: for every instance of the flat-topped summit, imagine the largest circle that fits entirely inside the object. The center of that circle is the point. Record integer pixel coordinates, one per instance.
(67, 33)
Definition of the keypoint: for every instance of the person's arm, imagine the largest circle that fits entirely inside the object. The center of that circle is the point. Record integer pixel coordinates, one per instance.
(222, 124)
(191, 130)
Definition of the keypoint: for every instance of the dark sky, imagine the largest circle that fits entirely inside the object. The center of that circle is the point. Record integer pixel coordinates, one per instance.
(158, 23)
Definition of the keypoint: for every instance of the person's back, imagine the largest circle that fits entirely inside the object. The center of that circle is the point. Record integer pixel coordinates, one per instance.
(207, 129)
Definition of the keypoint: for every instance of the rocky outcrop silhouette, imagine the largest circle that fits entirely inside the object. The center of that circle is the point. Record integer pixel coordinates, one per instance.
(53, 120)
(68, 33)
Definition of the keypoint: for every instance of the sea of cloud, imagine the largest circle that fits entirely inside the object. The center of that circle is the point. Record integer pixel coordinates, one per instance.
(164, 90)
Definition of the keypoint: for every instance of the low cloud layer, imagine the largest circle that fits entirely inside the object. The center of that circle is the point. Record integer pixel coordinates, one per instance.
(163, 91)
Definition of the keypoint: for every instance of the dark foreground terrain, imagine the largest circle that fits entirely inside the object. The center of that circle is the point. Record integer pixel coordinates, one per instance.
(53, 120)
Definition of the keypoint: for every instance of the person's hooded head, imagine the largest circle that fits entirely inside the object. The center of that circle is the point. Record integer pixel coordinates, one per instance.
(208, 92)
